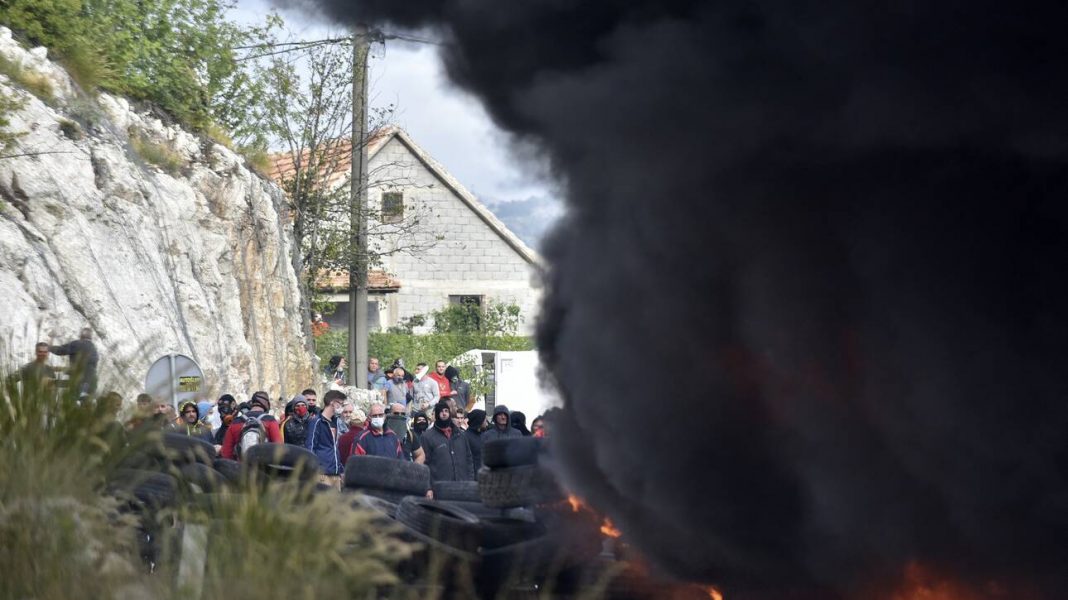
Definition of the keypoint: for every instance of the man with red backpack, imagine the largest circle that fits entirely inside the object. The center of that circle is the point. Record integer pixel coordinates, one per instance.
(257, 426)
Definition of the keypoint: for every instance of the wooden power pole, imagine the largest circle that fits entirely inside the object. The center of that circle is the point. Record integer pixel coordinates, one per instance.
(357, 351)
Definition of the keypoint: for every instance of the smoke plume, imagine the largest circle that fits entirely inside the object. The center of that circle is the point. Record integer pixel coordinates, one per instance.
(808, 309)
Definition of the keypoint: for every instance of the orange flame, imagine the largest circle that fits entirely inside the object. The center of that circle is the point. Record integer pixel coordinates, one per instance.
(713, 593)
(609, 529)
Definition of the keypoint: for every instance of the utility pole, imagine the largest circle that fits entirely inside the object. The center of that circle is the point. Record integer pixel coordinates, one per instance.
(358, 211)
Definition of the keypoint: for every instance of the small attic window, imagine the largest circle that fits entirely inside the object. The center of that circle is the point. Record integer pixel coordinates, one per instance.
(392, 207)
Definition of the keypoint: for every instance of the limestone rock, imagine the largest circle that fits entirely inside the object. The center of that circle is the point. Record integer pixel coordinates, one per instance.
(195, 260)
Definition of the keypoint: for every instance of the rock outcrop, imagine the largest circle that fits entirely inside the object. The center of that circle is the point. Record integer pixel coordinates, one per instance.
(192, 257)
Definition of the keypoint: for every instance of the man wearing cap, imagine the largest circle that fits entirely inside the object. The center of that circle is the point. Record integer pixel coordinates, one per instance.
(447, 451)
(189, 422)
(258, 407)
(502, 425)
(323, 437)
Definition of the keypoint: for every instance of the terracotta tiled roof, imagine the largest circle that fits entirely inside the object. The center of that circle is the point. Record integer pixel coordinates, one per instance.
(377, 281)
(282, 165)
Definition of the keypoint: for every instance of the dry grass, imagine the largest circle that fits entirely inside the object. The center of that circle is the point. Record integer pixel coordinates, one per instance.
(34, 83)
(157, 154)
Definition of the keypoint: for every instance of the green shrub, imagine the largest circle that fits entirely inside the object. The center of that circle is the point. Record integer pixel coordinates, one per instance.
(415, 349)
(160, 155)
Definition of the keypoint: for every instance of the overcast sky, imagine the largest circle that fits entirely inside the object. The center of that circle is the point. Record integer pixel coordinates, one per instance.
(447, 123)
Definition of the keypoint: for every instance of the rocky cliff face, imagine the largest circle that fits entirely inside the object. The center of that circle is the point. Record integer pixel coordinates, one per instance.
(192, 259)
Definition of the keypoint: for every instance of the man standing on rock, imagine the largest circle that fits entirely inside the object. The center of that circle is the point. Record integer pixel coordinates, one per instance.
(37, 375)
(83, 361)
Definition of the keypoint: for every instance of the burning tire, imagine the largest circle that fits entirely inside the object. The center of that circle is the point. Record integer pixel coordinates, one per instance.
(517, 486)
(387, 474)
(511, 452)
(450, 525)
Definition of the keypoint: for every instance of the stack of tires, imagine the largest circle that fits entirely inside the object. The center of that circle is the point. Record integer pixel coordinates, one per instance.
(517, 554)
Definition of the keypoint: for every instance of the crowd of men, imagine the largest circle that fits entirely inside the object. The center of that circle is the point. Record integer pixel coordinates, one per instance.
(423, 416)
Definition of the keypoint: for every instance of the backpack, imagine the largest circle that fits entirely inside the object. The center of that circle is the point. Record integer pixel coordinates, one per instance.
(252, 432)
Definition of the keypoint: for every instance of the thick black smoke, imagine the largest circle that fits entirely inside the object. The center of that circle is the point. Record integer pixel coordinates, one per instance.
(809, 310)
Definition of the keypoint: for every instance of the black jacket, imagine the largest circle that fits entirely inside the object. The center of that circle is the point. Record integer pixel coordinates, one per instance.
(474, 439)
(449, 458)
(295, 430)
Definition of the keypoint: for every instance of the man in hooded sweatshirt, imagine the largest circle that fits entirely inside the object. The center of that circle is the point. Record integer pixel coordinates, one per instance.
(259, 406)
(295, 426)
(502, 425)
(446, 448)
(189, 422)
(476, 422)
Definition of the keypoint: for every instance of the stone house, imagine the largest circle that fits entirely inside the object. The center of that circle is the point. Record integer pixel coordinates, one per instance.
(438, 243)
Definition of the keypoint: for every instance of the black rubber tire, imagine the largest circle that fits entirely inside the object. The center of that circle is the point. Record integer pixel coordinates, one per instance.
(390, 495)
(387, 474)
(517, 486)
(505, 531)
(230, 469)
(511, 452)
(482, 511)
(283, 460)
(535, 556)
(459, 491)
(206, 478)
(449, 525)
(378, 505)
(151, 489)
(182, 449)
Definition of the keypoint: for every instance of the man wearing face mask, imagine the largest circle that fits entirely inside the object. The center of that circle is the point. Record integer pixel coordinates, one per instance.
(425, 389)
(448, 453)
(225, 406)
(410, 439)
(420, 423)
(377, 440)
(398, 391)
(295, 427)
